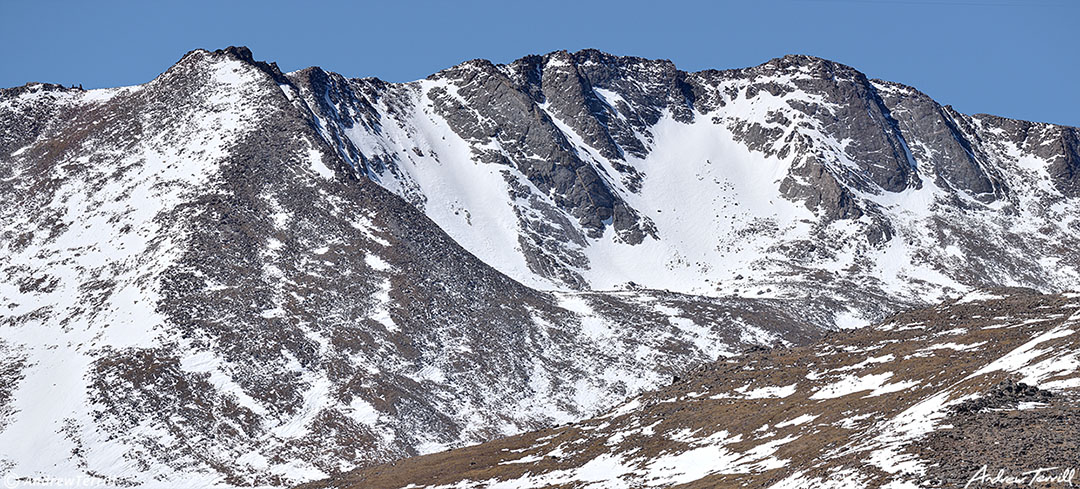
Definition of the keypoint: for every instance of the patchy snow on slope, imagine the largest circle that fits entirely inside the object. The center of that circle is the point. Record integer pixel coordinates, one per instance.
(978, 296)
(1021, 357)
(850, 384)
(767, 391)
(111, 235)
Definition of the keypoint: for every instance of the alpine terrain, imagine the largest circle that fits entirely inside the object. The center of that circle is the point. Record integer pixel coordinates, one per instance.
(236, 276)
(944, 397)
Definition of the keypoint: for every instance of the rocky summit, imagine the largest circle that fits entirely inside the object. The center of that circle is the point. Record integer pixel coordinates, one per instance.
(236, 276)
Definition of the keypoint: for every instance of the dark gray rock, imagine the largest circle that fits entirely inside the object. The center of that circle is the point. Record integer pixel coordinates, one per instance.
(941, 141)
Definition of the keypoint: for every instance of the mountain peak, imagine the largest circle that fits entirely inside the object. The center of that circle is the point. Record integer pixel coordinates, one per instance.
(239, 52)
(807, 65)
(32, 87)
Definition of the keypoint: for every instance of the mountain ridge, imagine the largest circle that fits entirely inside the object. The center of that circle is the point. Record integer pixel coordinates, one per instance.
(820, 184)
(282, 261)
(244, 53)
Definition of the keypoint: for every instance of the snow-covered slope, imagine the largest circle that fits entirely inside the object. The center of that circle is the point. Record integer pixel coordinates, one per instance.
(926, 399)
(234, 276)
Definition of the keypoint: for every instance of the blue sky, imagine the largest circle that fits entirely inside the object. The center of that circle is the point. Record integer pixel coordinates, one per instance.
(1016, 58)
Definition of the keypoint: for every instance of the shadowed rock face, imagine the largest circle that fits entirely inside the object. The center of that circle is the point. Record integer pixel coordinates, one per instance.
(249, 277)
(941, 136)
(513, 117)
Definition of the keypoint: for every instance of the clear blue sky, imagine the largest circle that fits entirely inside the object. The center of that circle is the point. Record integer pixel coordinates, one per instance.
(1016, 58)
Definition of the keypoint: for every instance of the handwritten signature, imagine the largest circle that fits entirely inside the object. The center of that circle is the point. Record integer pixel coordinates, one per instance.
(1044, 475)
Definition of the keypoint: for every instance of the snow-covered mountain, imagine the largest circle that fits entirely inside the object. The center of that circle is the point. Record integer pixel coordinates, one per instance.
(941, 397)
(233, 275)
(592, 171)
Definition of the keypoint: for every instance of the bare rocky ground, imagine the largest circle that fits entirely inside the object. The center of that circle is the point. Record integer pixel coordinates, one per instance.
(999, 436)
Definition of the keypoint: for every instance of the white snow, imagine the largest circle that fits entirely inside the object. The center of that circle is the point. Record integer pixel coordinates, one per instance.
(767, 391)
(978, 296)
(850, 384)
(869, 361)
(318, 165)
(802, 419)
(363, 412)
(1020, 357)
(376, 262)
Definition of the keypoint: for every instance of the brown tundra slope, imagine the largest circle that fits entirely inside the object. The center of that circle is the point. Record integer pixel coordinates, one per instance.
(926, 398)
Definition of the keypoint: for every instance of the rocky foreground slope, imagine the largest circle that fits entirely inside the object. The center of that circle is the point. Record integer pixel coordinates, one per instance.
(928, 398)
(233, 275)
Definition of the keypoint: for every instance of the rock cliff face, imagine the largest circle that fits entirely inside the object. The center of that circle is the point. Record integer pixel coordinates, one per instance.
(236, 275)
